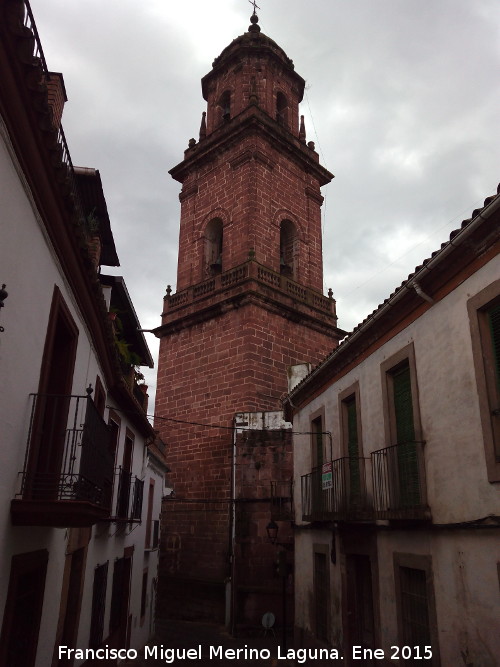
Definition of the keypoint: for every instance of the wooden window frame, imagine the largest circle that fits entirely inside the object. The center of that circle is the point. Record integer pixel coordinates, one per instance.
(487, 392)
(99, 396)
(98, 607)
(149, 515)
(313, 417)
(22, 564)
(424, 563)
(388, 367)
(144, 595)
(324, 550)
(344, 398)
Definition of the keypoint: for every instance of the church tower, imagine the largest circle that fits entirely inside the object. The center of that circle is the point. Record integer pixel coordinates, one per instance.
(248, 306)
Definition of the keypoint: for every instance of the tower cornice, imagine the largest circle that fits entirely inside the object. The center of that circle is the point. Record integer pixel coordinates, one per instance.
(251, 121)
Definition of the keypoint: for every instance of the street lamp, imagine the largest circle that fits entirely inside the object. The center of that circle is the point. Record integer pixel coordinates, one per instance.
(272, 531)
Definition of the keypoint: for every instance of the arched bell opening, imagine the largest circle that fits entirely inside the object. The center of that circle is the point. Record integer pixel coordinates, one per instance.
(282, 109)
(213, 247)
(288, 236)
(225, 106)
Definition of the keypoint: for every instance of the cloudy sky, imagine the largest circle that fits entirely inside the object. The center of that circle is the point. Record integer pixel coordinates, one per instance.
(402, 101)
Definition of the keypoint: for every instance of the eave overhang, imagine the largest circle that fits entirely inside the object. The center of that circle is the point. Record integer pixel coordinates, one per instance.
(469, 248)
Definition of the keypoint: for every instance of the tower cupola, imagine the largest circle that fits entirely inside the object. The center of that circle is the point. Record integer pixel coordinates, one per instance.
(253, 70)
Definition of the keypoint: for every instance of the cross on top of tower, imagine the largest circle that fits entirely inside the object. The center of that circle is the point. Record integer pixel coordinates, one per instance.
(255, 6)
(254, 19)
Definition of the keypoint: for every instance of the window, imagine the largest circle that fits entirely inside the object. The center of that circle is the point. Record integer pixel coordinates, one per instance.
(149, 526)
(120, 598)
(144, 594)
(281, 109)
(484, 317)
(225, 106)
(213, 247)
(416, 609)
(98, 605)
(287, 248)
(125, 481)
(99, 396)
(51, 415)
(360, 621)
(23, 609)
(321, 591)
(317, 442)
(402, 415)
(351, 439)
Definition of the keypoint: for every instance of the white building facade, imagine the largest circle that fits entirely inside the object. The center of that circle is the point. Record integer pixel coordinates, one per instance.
(397, 482)
(81, 471)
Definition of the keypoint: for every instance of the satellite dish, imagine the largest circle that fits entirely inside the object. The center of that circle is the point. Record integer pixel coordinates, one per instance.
(268, 620)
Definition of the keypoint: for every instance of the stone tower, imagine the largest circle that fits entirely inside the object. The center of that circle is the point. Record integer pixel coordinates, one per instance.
(248, 306)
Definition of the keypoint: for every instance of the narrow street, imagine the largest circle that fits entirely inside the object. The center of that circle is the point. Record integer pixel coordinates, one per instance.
(209, 645)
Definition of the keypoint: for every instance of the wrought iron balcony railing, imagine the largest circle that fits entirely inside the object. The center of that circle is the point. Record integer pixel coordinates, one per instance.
(342, 498)
(68, 461)
(399, 486)
(129, 497)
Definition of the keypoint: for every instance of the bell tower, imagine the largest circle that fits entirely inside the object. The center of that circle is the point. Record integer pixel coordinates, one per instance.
(248, 306)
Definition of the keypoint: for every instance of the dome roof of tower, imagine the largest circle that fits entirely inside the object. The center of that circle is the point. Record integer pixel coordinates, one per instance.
(253, 41)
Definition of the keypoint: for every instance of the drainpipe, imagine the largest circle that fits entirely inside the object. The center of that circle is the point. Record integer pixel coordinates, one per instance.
(230, 583)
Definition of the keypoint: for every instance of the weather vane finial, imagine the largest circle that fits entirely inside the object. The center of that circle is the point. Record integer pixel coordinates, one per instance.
(255, 6)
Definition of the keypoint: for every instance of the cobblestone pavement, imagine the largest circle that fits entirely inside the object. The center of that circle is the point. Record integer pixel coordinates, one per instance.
(211, 645)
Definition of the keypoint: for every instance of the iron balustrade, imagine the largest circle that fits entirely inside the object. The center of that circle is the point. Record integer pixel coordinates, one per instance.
(68, 456)
(30, 48)
(129, 497)
(345, 499)
(399, 486)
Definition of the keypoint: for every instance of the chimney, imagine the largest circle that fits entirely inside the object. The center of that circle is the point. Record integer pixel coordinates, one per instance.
(56, 96)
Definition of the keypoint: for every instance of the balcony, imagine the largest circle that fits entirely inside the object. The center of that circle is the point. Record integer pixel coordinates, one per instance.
(399, 487)
(68, 468)
(128, 498)
(262, 276)
(342, 498)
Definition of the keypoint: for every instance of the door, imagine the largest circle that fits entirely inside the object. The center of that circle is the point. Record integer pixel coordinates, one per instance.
(359, 598)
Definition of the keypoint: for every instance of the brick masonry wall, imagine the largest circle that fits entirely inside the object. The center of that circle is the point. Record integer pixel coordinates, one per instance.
(235, 362)
(253, 75)
(251, 172)
(251, 197)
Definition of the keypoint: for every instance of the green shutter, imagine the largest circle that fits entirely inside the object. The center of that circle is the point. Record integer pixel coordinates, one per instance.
(352, 429)
(409, 486)
(494, 322)
(318, 437)
(353, 448)
(403, 405)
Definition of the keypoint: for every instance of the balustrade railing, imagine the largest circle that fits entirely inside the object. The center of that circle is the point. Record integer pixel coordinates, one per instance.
(129, 497)
(67, 454)
(399, 486)
(339, 497)
(251, 270)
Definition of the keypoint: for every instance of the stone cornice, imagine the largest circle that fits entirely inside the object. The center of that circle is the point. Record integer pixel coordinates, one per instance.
(251, 121)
